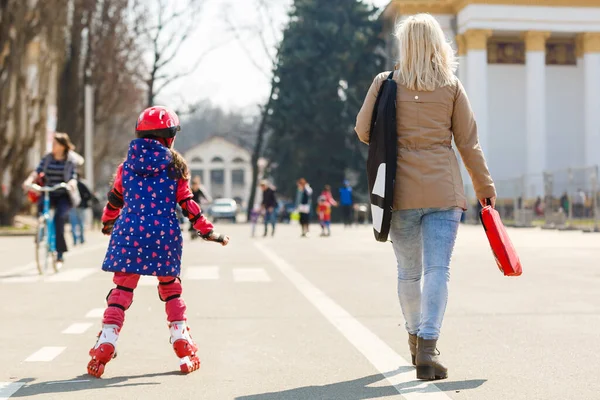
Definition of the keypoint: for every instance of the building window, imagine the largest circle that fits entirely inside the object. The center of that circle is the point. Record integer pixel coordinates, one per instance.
(217, 159)
(196, 160)
(217, 176)
(237, 176)
(505, 51)
(238, 160)
(198, 172)
(561, 51)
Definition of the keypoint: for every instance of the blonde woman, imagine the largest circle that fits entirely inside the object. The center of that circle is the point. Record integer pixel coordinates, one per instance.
(432, 108)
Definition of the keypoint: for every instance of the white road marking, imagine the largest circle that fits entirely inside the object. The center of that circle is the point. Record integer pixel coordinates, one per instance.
(78, 328)
(379, 354)
(22, 279)
(250, 275)
(45, 354)
(95, 313)
(7, 389)
(201, 273)
(59, 382)
(148, 280)
(72, 275)
(32, 265)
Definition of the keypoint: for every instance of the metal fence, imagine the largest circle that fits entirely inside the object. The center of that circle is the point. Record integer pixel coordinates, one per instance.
(561, 199)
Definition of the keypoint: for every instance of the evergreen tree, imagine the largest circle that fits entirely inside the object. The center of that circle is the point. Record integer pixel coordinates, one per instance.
(326, 62)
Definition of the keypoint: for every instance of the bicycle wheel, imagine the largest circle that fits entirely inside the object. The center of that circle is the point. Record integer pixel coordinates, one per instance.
(43, 254)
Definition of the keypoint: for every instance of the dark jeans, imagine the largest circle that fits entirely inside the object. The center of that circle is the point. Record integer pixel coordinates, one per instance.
(61, 206)
(347, 214)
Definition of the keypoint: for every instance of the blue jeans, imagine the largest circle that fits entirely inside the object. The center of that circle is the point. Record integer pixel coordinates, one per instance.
(424, 238)
(76, 215)
(270, 219)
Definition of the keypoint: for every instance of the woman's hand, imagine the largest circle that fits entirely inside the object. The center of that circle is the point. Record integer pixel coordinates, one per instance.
(483, 202)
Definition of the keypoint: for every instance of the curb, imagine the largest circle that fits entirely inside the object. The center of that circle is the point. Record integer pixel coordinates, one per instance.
(16, 233)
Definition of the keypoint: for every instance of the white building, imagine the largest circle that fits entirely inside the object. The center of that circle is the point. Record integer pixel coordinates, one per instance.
(223, 166)
(531, 69)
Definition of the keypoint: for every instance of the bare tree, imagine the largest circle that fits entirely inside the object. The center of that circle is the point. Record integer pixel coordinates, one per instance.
(165, 33)
(114, 62)
(31, 41)
(71, 85)
(263, 31)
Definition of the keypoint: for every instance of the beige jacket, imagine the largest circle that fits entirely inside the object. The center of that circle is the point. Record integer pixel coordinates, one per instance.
(427, 173)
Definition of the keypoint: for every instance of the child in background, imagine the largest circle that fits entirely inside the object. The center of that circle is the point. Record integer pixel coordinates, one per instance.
(324, 211)
(254, 216)
(145, 237)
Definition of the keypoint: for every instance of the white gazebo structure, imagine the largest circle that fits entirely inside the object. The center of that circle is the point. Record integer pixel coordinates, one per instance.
(223, 166)
(531, 69)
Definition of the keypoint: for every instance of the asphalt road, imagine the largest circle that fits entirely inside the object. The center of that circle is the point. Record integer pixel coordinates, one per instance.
(318, 318)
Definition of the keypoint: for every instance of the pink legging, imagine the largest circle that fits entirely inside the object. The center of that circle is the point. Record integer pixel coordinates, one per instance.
(120, 298)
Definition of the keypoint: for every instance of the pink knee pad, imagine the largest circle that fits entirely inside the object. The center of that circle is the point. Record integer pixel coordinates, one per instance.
(169, 291)
(120, 298)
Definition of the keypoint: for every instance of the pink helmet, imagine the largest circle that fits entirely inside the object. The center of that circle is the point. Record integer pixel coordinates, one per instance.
(158, 121)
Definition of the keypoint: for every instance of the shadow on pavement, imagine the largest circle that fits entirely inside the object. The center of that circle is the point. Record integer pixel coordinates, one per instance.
(87, 382)
(449, 386)
(357, 389)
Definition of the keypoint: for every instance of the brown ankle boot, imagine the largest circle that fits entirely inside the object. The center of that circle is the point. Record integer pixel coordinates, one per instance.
(429, 367)
(412, 345)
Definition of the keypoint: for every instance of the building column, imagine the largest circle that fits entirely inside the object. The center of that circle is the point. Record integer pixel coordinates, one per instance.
(535, 114)
(461, 51)
(477, 80)
(206, 182)
(227, 181)
(591, 65)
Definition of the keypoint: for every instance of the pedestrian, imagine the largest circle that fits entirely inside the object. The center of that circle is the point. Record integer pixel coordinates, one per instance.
(145, 237)
(303, 201)
(538, 207)
(201, 197)
(329, 202)
(77, 214)
(254, 216)
(579, 203)
(55, 168)
(97, 210)
(564, 202)
(324, 211)
(347, 202)
(269, 206)
(432, 109)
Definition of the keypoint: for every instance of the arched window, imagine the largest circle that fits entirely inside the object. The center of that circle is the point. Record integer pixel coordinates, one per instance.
(238, 160)
(217, 159)
(196, 159)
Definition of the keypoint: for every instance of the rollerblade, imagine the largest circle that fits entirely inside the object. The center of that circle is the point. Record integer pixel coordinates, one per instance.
(184, 347)
(104, 350)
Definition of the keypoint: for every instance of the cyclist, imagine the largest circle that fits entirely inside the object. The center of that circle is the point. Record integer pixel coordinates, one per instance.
(57, 167)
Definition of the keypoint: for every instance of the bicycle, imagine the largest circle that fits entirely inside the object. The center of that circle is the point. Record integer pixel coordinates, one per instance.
(45, 238)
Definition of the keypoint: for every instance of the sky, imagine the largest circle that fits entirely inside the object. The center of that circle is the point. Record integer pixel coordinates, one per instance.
(236, 74)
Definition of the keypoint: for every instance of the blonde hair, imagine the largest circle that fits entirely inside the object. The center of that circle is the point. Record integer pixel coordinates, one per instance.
(427, 61)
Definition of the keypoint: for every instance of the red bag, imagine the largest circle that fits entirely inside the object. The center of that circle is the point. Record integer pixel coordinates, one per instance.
(33, 196)
(503, 249)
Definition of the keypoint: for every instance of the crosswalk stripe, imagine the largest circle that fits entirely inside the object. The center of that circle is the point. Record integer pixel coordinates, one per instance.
(147, 280)
(202, 273)
(250, 275)
(95, 313)
(7, 389)
(72, 275)
(22, 279)
(45, 354)
(77, 328)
